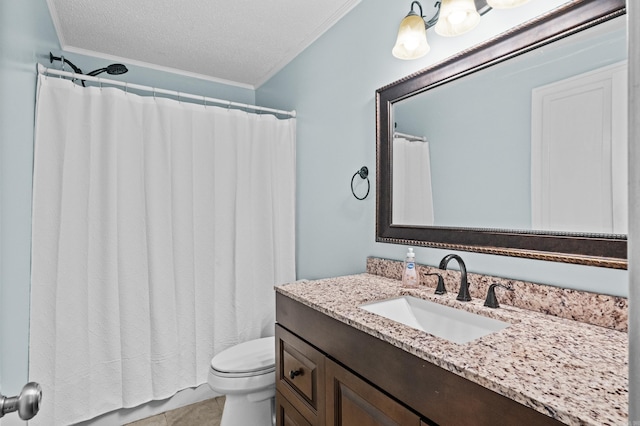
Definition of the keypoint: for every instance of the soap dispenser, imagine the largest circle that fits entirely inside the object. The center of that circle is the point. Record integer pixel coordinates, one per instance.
(410, 274)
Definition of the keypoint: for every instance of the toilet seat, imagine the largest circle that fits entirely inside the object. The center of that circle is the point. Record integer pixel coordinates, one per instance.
(252, 358)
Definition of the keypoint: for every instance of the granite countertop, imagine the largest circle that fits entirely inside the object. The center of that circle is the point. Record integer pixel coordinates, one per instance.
(574, 372)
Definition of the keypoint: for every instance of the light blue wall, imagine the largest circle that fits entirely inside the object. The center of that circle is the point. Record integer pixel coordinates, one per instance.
(332, 85)
(26, 32)
(27, 36)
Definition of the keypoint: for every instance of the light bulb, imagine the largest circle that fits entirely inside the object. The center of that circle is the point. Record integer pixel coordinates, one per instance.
(412, 38)
(505, 4)
(457, 17)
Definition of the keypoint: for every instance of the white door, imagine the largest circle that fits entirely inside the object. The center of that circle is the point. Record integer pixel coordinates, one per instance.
(578, 158)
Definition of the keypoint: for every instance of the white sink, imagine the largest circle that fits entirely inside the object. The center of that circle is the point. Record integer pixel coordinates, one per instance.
(453, 324)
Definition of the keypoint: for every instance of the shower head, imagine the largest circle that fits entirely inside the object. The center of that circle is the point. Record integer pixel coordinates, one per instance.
(116, 69)
(113, 69)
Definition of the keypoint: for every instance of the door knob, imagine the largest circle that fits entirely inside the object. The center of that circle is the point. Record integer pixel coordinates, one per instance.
(26, 404)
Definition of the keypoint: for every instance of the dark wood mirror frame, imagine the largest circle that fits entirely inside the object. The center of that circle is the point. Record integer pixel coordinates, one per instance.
(588, 249)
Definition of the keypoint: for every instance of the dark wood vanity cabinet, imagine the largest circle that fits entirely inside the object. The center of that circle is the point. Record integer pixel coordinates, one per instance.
(329, 373)
(314, 390)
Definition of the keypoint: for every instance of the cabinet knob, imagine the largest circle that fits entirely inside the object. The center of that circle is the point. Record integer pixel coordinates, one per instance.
(294, 373)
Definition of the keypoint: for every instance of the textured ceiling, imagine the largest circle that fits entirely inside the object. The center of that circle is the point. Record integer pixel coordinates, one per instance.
(239, 41)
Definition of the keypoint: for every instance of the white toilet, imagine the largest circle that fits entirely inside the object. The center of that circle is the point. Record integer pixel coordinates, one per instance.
(245, 373)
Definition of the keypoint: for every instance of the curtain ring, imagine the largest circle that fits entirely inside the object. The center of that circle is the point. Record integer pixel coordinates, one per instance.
(364, 174)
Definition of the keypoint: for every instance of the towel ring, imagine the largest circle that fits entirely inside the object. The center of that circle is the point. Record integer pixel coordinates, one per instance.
(364, 174)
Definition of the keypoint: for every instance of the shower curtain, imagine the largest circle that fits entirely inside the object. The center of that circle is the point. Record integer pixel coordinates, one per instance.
(412, 193)
(159, 230)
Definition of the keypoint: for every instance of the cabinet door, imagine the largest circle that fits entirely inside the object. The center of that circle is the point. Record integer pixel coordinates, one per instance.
(300, 375)
(286, 415)
(352, 401)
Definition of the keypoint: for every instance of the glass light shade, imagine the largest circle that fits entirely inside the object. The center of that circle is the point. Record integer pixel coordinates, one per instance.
(505, 4)
(412, 38)
(457, 17)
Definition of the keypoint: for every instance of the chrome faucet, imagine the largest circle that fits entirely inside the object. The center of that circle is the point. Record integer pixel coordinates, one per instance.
(463, 294)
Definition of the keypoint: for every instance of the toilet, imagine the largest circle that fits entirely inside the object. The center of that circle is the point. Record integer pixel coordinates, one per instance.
(245, 374)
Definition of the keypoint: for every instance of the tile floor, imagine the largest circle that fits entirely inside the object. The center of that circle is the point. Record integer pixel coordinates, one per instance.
(205, 413)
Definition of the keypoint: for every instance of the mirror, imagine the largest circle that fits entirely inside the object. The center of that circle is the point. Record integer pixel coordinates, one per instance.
(454, 172)
(487, 187)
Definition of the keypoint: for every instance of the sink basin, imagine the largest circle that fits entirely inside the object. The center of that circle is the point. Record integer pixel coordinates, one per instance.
(449, 323)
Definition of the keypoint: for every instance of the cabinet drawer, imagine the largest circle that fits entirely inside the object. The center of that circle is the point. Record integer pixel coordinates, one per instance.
(300, 375)
(299, 370)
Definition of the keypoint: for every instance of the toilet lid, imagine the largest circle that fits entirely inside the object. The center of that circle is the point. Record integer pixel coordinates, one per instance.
(255, 356)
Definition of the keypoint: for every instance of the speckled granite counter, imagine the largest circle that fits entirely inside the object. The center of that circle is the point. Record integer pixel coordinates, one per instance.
(571, 371)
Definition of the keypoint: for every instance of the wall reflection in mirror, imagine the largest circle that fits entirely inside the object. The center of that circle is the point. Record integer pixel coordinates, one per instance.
(534, 143)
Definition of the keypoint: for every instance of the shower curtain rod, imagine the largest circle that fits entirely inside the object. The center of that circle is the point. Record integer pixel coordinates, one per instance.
(204, 99)
(410, 138)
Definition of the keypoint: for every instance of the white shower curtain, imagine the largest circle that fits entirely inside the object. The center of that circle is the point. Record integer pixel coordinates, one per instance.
(159, 231)
(412, 193)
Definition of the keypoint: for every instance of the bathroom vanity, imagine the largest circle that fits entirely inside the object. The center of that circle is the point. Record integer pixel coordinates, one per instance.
(563, 357)
(339, 364)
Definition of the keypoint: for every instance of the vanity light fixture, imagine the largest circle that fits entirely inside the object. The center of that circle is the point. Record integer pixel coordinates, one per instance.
(452, 18)
(412, 34)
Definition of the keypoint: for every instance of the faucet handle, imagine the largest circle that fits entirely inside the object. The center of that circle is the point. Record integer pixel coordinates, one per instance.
(440, 289)
(492, 301)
